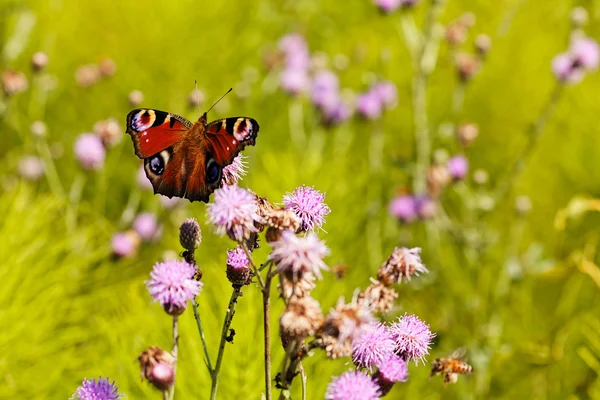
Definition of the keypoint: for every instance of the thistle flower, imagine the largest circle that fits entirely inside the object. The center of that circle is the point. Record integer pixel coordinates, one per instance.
(378, 297)
(412, 337)
(31, 168)
(301, 318)
(458, 166)
(404, 208)
(125, 244)
(294, 81)
(278, 220)
(325, 88)
(233, 172)
(157, 367)
(337, 112)
(467, 133)
(238, 267)
(14, 82)
(426, 207)
(172, 284)
(146, 225)
(373, 346)
(369, 105)
(582, 56)
(467, 66)
(296, 286)
(234, 212)
(391, 370)
(169, 202)
(308, 204)
(387, 6)
(135, 98)
(109, 131)
(190, 234)
(295, 51)
(297, 255)
(101, 389)
(386, 92)
(352, 385)
(89, 151)
(403, 263)
(438, 177)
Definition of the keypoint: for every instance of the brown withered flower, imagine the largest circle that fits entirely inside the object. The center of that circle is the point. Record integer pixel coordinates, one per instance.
(301, 318)
(438, 177)
(156, 366)
(296, 286)
(14, 82)
(279, 219)
(403, 263)
(378, 297)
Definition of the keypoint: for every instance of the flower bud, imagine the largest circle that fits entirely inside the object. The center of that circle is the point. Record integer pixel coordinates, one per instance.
(190, 235)
(156, 366)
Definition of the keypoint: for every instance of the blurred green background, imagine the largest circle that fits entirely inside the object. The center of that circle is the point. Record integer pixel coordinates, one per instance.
(526, 306)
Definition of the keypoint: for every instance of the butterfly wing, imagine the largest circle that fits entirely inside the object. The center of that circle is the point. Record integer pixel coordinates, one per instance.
(229, 136)
(153, 131)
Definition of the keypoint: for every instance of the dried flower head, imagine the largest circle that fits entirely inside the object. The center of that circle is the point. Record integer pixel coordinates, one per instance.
(412, 337)
(279, 219)
(38, 129)
(31, 168)
(14, 82)
(297, 255)
(299, 285)
(483, 44)
(156, 366)
(101, 389)
(109, 131)
(135, 98)
(238, 267)
(403, 263)
(378, 297)
(190, 234)
(438, 177)
(107, 67)
(233, 172)
(426, 207)
(89, 151)
(301, 318)
(352, 385)
(146, 225)
(87, 75)
(391, 370)
(234, 212)
(374, 345)
(39, 61)
(125, 244)
(467, 133)
(172, 284)
(467, 66)
(308, 204)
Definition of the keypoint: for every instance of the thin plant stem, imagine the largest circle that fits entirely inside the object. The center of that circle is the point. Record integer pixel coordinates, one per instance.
(535, 132)
(226, 324)
(303, 378)
(267, 331)
(202, 338)
(253, 265)
(174, 350)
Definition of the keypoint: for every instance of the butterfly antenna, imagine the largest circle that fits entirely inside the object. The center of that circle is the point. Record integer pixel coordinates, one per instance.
(221, 98)
(197, 95)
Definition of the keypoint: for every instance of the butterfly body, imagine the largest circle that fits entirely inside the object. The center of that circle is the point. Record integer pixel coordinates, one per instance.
(185, 159)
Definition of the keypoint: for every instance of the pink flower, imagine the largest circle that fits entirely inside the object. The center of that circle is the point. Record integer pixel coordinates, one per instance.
(125, 244)
(233, 172)
(146, 225)
(308, 204)
(352, 385)
(90, 151)
(582, 56)
(101, 389)
(387, 6)
(458, 167)
(299, 254)
(369, 105)
(234, 212)
(374, 345)
(294, 81)
(404, 208)
(412, 337)
(172, 284)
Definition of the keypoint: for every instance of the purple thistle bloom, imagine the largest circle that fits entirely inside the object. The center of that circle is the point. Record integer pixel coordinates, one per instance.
(387, 6)
(582, 56)
(393, 369)
(352, 385)
(101, 389)
(234, 212)
(403, 208)
(295, 50)
(233, 172)
(369, 105)
(373, 346)
(146, 225)
(458, 166)
(387, 93)
(299, 254)
(308, 204)
(564, 69)
(237, 258)
(412, 337)
(125, 244)
(586, 53)
(172, 284)
(325, 88)
(89, 151)
(294, 81)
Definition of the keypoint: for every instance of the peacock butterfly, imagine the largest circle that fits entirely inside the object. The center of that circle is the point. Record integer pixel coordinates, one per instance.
(183, 159)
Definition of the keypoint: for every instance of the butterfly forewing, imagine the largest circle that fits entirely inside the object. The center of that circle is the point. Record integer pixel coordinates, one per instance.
(153, 131)
(229, 136)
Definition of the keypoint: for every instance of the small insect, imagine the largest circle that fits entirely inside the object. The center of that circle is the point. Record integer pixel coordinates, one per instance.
(451, 366)
(340, 270)
(229, 338)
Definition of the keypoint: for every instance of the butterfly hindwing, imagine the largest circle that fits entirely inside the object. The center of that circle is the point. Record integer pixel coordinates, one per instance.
(229, 136)
(153, 131)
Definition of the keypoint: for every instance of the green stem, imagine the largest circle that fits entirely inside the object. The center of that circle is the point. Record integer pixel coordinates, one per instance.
(226, 324)
(266, 291)
(202, 338)
(174, 351)
(253, 265)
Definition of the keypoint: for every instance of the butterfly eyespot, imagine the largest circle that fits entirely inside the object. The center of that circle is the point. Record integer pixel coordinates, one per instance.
(213, 171)
(157, 165)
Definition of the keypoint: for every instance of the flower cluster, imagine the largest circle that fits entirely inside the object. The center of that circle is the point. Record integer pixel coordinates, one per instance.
(380, 96)
(145, 228)
(582, 56)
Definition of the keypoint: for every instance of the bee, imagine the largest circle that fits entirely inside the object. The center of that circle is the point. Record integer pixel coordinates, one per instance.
(451, 366)
(340, 270)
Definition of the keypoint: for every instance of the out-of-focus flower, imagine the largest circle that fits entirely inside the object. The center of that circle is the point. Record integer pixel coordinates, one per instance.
(480, 176)
(89, 151)
(100, 389)
(467, 133)
(582, 56)
(296, 286)
(31, 168)
(14, 82)
(238, 267)
(387, 6)
(169, 202)
(373, 346)
(157, 367)
(325, 88)
(426, 207)
(107, 67)
(234, 212)
(579, 17)
(297, 255)
(352, 385)
(87, 75)
(412, 337)
(233, 172)
(438, 177)
(456, 33)
(190, 234)
(369, 105)
(109, 131)
(136, 97)
(458, 166)
(294, 81)
(142, 179)
(404, 208)
(146, 225)
(403, 263)
(338, 112)
(387, 93)
(378, 297)
(279, 220)
(309, 205)
(483, 44)
(301, 318)
(39, 61)
(523, 205)
(295, 51)
(196, 98)
(38, 129)
(125, 244)
(467, 66)
(391, 370)
(172, 284)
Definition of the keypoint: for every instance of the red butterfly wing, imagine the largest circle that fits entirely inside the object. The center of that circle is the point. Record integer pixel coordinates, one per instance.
(152, 131)
(229, 136)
